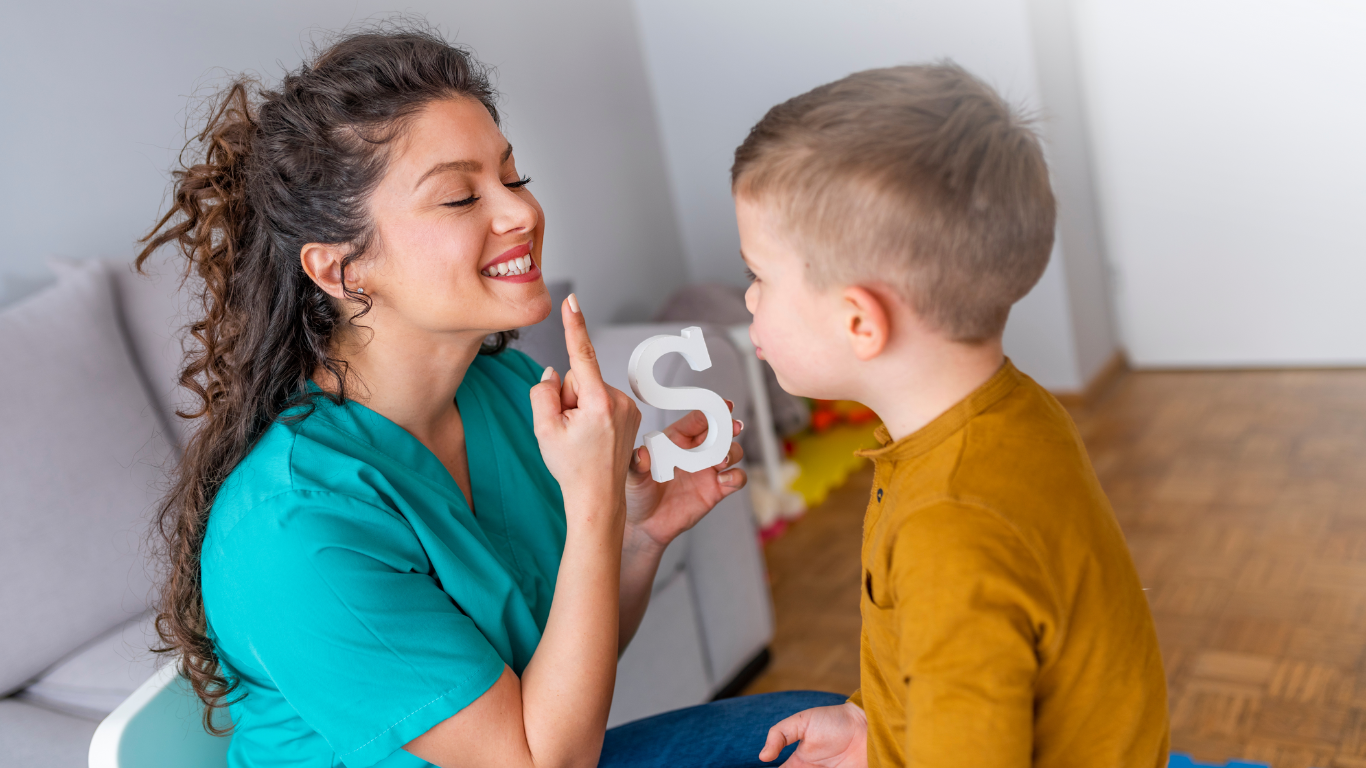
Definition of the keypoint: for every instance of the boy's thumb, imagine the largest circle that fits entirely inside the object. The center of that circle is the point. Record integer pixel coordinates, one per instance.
(545, 401)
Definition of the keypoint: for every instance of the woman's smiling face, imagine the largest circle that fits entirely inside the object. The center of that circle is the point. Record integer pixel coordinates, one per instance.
(458, 245)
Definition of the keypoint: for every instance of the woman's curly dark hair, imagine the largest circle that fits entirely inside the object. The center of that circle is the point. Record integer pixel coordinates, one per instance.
(272, 171)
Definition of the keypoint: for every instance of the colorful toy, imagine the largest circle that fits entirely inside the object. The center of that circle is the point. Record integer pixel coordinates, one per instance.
(828, 413)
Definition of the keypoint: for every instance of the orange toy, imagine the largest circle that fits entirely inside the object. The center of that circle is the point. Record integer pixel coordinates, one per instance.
(828, 413)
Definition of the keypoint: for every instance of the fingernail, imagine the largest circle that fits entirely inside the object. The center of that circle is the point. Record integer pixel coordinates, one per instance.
(573, 303)
(547, 373)
(741, 423)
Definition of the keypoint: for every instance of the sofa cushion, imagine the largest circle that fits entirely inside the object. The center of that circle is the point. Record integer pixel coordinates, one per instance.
(33, 737)
(81, 458)
(94, 680)
(154, 309)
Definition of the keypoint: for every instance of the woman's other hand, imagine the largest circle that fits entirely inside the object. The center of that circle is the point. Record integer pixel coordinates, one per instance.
(661, 511)
(585, 428)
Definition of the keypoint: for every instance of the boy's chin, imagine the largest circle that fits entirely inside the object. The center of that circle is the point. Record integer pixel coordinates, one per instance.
(795, 383)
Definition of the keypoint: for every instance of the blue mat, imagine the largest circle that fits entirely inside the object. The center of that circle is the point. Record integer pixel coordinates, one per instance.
(1184, 761)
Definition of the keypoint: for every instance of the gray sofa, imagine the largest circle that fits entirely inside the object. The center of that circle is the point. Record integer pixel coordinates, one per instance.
(87, 396)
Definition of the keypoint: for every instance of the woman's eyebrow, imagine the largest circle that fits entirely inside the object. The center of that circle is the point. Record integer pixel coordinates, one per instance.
(467, 166)
(464, 166)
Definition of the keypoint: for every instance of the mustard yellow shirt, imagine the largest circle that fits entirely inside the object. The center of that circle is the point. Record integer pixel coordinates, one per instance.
(1003, 621)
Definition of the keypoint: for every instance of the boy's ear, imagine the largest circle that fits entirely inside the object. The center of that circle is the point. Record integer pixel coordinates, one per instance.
(867, 322)
(323, 264)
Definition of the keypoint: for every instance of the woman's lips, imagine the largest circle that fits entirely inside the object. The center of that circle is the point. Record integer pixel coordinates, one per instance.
(515, 265)
(533, 273)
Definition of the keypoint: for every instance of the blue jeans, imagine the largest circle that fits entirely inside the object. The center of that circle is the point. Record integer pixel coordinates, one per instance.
(723, 734)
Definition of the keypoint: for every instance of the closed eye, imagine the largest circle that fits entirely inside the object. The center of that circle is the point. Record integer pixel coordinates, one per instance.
(472, 199)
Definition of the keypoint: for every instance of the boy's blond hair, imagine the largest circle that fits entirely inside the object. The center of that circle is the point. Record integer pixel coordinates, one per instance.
(918, 177)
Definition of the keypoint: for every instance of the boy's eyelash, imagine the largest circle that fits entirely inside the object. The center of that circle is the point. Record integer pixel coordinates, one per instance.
(749, 273)
(472, 199)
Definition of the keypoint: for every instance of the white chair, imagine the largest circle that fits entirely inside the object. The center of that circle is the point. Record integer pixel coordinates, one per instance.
(160, 726)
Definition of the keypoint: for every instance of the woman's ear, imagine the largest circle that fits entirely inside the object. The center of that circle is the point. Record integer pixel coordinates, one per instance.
(867, 322)
(323, 264)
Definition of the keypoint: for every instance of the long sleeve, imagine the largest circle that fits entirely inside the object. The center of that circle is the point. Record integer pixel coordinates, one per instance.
(971, 609)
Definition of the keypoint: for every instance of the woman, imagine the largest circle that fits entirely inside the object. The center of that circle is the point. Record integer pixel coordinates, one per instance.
(392, 540)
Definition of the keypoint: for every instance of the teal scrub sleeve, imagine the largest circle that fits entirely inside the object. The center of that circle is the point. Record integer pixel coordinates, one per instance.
(350, 626)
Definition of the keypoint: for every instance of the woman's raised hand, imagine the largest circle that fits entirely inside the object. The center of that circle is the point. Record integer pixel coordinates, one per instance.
(585, 428)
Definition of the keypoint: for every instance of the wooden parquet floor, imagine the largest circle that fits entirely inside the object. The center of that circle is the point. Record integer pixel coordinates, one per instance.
(1243, 497)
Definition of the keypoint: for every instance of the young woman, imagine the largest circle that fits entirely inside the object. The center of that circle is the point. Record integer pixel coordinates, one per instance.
(392, 541)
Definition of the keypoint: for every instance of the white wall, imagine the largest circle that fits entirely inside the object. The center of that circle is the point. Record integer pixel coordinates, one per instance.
(94, 108)
(1067, 139)
(1230, 149)
(717, 65)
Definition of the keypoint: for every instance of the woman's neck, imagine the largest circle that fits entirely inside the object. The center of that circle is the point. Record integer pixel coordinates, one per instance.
(410, 379)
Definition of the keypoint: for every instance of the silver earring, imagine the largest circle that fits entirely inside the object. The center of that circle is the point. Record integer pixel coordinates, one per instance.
(360, 290)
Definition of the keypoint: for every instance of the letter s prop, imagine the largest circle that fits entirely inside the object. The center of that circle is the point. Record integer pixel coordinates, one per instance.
(664, 454)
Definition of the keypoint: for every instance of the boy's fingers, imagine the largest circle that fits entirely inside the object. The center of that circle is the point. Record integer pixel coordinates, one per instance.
(785, 732)
(583, 359)
(773, 746)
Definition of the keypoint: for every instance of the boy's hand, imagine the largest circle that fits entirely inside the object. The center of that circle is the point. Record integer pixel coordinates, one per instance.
(831, 737)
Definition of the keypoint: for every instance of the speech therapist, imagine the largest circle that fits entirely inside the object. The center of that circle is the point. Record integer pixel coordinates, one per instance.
(392, 541)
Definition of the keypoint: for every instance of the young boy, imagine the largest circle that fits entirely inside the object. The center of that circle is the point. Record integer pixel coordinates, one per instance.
(890, 220)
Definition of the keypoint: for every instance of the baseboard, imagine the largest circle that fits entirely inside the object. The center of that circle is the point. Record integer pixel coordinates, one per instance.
(1105, 378)
(745, 676)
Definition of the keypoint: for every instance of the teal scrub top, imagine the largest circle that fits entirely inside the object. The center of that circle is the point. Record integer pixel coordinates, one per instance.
(353, 592)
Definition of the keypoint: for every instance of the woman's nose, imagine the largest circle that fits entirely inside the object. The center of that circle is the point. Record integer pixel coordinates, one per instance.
(512, 213)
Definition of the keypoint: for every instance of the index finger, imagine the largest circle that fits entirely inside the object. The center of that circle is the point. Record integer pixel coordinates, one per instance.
(583, 359)
(788, 731)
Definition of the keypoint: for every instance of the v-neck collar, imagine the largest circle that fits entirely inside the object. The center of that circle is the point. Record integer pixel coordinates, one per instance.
(388, 439)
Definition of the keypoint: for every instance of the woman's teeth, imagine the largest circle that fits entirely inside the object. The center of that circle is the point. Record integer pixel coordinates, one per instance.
(510, 267)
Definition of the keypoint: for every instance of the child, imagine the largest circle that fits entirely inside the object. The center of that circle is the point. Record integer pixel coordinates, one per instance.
(890, 220)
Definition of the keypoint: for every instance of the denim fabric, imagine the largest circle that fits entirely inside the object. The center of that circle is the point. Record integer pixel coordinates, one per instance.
(723, 734)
